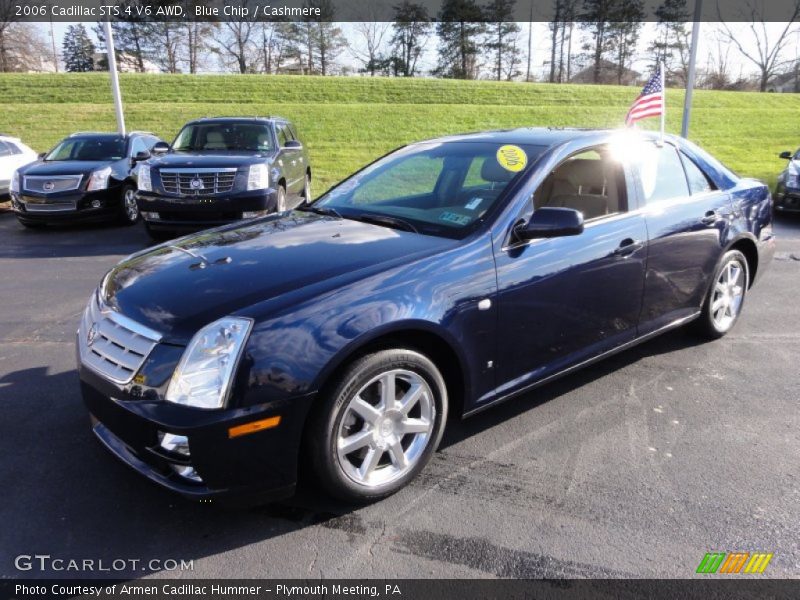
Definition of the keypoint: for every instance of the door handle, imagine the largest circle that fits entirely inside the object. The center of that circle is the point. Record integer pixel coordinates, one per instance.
(710, 218)
(628, 246)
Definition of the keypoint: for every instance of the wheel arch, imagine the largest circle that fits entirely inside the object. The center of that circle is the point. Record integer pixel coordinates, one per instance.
(747, 246)
(420, 336)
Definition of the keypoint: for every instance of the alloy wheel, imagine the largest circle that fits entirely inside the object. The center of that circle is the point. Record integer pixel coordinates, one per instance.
(385, 428)
(728, 295)
(131, 209)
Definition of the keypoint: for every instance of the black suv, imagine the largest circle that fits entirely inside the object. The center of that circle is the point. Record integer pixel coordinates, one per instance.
(221, 170)
(787, 192)
(87, 176)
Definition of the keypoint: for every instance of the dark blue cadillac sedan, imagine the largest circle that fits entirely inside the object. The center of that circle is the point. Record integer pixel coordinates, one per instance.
(443, 278)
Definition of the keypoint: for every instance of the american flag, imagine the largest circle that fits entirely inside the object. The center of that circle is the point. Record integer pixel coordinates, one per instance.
(650, 102)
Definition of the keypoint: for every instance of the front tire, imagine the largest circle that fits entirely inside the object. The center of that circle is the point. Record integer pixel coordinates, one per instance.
(725, 298)
(307, 198)
(129, 211)
(280, 201)
(379, 427)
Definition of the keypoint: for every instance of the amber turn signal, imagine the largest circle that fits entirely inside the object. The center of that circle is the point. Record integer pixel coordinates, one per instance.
(254, 426)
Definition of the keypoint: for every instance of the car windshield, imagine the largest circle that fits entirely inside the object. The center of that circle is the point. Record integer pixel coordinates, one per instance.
(436, 188)
(224, 137)
(89, 149)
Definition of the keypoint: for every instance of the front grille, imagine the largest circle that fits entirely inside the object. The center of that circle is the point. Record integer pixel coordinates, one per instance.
(49, 206)
(52, 185)
(113, 345)
(196, 182)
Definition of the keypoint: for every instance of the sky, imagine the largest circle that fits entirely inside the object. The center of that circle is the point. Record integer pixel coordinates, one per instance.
(541, 51)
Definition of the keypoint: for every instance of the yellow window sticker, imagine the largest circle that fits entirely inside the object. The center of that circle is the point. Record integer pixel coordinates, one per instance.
(512, 158)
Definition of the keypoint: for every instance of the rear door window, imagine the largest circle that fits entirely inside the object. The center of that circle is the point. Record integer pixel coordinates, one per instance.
(698, 182)
(5, 149)
(662, 174)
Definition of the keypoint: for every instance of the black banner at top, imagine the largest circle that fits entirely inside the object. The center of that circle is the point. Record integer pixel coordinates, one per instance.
(384, 10)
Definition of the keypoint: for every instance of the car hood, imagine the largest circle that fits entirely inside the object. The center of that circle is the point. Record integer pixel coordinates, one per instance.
(63, 167)
(206, 159)
(178, 287)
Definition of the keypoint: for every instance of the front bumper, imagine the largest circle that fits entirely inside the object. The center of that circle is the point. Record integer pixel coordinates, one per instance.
(192, 212)
(66, 207)
(787, 200)
(262, 464)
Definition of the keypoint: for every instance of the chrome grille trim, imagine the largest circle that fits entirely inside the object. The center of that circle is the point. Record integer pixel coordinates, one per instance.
(120, 346)
(51, 207)
(61, 183)
(214, 180)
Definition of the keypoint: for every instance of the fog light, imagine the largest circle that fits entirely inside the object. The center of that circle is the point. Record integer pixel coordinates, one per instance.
(151, 216)
(252, 214)
(96, 204)
(179, 444)
(187, 473)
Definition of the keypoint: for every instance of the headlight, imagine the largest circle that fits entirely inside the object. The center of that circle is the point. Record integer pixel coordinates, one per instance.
(205, 372)
(258, 177)
(144, 183)
(15, 182)
(98, 180)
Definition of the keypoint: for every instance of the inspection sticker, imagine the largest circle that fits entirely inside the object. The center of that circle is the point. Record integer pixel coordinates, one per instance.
(512, 158)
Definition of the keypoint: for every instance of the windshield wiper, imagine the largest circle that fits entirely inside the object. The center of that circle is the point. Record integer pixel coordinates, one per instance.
(386, 221)
(322, 210)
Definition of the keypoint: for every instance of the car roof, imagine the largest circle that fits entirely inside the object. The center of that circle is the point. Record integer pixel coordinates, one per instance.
(11, 138)
(269, 119)
(538, 136)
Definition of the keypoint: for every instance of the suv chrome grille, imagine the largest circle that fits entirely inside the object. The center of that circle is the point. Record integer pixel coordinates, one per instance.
(196, 182)
(43, 184)
(113, 345)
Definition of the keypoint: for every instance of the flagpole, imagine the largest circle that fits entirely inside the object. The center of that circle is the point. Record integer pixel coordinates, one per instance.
(663, 99)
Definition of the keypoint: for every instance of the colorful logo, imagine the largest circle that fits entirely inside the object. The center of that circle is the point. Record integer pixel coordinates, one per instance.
(734, 562)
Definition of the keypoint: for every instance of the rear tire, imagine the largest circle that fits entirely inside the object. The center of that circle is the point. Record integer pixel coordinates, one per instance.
(129, 211)
(379, 426)
(725, 298)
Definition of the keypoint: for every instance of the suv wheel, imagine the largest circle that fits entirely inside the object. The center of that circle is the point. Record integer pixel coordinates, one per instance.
(379, 426)
(725, 299)
(129, 214)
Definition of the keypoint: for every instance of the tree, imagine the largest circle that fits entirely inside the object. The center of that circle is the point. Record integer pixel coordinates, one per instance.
(169, 39)
(327, 39)
(597, 16)
(411, 30)
(767, 51)
(624, 31)
(501, 39)
(670, 46)
(561, 27)
(459, 29)
(7, 19)
(24, 49)
(273, 46)
(78, 49)
(235, 44)
(196, 35)
(132, 44)
(371, 54)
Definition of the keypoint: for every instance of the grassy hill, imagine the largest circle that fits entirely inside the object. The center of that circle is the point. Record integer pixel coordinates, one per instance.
(347, 122)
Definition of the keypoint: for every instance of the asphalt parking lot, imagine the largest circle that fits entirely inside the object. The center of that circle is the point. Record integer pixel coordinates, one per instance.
(637, 466)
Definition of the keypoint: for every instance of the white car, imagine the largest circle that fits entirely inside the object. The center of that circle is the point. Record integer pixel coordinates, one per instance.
(13, 155)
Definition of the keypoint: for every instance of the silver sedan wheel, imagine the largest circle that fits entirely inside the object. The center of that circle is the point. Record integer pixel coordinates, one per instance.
(385, 428)
(131, 210)
(728, 295)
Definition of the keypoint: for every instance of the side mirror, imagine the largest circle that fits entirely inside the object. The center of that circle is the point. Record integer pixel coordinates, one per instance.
(785, 155)
(161, 148)
(549, 222)
(140, 156)
(41, 155)
(293, 145)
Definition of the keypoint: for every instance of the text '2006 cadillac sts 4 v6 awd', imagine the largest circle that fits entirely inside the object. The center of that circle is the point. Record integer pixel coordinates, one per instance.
(443, 278)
